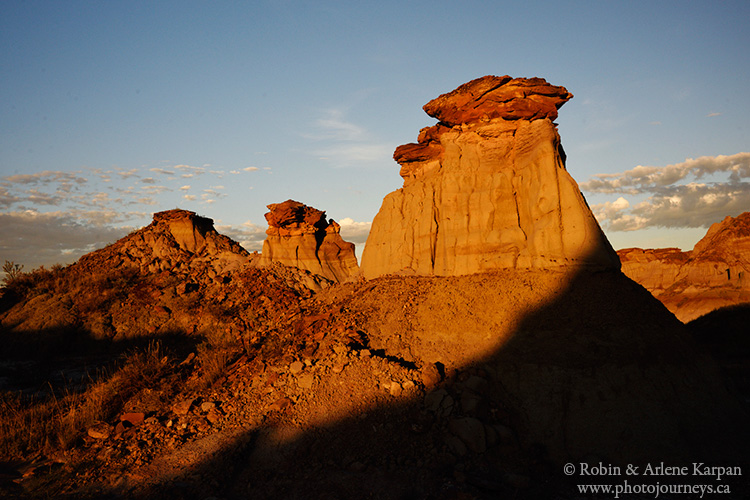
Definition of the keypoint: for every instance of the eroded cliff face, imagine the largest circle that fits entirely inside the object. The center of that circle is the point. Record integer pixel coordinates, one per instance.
(486, 188)
(300, 236)
(712, 275)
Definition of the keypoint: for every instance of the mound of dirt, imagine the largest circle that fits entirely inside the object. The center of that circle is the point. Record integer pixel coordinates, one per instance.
(432, 387)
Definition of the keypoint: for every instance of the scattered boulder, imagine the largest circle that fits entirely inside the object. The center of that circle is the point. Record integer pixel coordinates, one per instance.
(300, 236)
(487, 188)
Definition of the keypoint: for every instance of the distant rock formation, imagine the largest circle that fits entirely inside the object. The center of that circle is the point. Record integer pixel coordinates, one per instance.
(300, 236)
(486, 188)
(178, 274)
(175, 240)
(713, 275)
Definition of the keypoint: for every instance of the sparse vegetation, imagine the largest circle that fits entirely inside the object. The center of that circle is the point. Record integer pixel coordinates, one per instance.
(12, 272)
(214, 354)
(57, 420)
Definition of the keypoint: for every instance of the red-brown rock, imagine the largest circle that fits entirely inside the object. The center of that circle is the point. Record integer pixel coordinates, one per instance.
(713, 275)
(503, 97)
(300, 236)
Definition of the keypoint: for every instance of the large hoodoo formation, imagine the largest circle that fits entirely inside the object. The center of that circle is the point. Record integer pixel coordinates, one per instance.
(486, 188)
(300, 236)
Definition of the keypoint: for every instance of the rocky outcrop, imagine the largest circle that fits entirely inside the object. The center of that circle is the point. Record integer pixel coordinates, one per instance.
(176, 275)
(486, 188)
(714, 274)
(300, 236)
(175, 240)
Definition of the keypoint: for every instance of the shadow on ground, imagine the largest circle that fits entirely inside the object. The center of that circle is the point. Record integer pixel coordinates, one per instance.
(600, 374)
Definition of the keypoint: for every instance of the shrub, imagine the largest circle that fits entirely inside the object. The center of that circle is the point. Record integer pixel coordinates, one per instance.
(12, 272)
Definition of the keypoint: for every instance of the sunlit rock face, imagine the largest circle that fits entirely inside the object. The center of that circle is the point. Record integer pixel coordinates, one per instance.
(714, 274)
(486, 188)
(300, 236)
(175, 240)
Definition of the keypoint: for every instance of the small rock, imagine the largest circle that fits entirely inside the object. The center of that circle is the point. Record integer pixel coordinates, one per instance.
(207, 406)
(340, 349)
(183, 407)
(395, 389)
(122, 427)
(99, 431)
(471, 432)
(134, 418)
(296, 367)
(433, 399)
(446, 405)
(306, 380)
(188, 360)
(471, 403)
(213, 416)
(430, 376)
(456, 446)
(280, 404)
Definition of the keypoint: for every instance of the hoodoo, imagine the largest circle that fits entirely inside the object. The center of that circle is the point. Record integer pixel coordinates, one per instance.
(486, 188)
(300, 236)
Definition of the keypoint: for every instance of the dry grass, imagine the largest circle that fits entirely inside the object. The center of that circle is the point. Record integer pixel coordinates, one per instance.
(57, 421)
(214, 354)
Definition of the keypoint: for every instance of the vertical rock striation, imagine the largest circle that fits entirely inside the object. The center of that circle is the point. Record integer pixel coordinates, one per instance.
(486, 188)
(300, 236)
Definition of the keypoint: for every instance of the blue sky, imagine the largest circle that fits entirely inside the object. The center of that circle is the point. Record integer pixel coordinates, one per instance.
(114, 110)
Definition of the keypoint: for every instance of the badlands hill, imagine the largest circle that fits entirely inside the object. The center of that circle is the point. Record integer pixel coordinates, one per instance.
(451, 369)
(714, 274)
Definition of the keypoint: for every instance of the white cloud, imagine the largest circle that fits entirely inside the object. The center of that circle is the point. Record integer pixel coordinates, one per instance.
(354, 232)
(670, 200)
(155, 190)
(190, 170)
(46, 177)
(161, 171)
(645, 178)
(55, 237)
(250, 169)
(125, 174)
(186, 187)
(249, 235)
